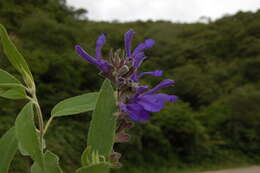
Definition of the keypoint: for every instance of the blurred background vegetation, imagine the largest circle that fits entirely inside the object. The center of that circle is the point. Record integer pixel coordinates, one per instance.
(216, 67)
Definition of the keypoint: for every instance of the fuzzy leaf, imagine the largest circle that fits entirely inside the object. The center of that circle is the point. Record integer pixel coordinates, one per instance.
(12, 91)
(102, 127)
(27, 135)
(98, 168)
(24, 152)
(8, 148)
(6, 77)
(10, 87)
(13, 55)
(75, 105)
(51, 164)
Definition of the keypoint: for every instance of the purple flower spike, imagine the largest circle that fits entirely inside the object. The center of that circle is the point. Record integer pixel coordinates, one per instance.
(103, 65)
(99, 45)
(128, 42)
(138, 102)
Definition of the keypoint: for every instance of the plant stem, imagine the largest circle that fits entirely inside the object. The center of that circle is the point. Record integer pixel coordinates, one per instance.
(40, 120)
(47, 125)
(28, 80)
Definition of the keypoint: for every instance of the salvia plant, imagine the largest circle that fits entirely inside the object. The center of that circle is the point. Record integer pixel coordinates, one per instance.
(120, 102)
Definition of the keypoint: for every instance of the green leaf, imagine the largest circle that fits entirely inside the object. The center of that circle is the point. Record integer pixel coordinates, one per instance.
(10, 87)
(75, 105)
(13, 92)
(98, 168)
(51, 164)
(24, 152)
(103, 124)
(27, 135)
(85, 157)
(14, 56)
(8, 148)
(6, 77)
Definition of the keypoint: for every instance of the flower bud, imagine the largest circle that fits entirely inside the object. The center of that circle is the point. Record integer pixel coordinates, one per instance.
(123, 70)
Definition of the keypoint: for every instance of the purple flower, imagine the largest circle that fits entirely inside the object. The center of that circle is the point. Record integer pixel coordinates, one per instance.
(136, 77)
(99, 45)
(102, 64)
(141, 47)
(128, 42)
(138, 54)
(122, 70)
(144, 102)
(135, 111)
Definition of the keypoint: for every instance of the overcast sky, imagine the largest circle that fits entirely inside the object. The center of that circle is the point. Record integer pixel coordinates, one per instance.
(174, 10)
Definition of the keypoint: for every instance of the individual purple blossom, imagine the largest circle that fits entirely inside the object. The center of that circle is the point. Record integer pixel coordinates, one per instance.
(137, 55)
(128, 42)
(99, 45)
(139, 58)
(102, 64)
(146, 101)
(136, 77)
(147, 44)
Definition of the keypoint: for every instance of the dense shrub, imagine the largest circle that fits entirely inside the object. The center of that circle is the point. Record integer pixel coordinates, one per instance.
(215, 66)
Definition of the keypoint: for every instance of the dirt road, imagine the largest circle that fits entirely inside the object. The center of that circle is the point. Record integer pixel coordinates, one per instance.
(252, 169)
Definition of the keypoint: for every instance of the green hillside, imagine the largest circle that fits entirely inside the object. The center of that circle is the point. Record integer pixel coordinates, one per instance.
(216, 67)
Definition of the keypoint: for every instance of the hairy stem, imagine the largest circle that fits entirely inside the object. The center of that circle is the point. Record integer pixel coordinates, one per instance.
(40, 119)
(31, 89)
(47, 125)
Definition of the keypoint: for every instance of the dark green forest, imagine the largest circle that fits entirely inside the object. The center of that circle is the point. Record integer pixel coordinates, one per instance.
(216, 66)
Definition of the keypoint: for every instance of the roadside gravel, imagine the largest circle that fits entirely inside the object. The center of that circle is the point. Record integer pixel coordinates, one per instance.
(252, 169)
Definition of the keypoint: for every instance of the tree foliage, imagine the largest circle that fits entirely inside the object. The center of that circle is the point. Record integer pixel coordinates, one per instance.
(216, 67)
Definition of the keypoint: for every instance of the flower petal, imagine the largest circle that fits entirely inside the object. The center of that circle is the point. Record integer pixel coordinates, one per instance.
(141, 47)
(155, 102)
(99, 44)
(166, 97)
(103, 65)
(151, 103)
(123, 107)
(163, 84)
(85, 55)
(136, 112)
(152, 73)
(141, 89)
(149, 43)
(128, 41)
(138, 59)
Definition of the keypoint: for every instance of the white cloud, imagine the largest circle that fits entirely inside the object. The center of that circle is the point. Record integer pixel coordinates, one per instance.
(175, 10)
